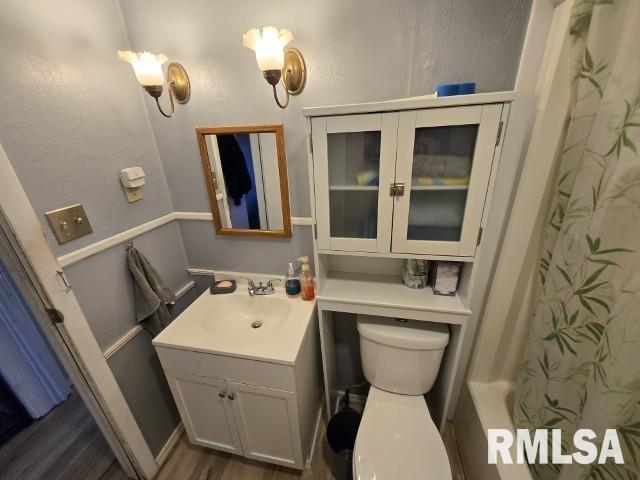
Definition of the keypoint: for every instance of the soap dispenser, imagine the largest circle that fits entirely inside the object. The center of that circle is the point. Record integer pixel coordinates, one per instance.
(307, 282)
(292, 282)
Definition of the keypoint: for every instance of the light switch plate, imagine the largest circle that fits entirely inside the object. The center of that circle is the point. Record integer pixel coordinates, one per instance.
(133, 194)
(69, 223)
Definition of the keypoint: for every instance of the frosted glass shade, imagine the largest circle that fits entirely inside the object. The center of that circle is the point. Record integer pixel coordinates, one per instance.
(268, 45)
(146, 66)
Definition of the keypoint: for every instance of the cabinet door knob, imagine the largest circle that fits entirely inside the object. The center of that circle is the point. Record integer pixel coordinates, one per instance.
(231, 396)
(222, 394)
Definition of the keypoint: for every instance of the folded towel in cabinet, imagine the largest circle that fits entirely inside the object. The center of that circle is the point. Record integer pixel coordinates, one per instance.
(441, 181)
(152, 296)
(368, 178)
(431, 165)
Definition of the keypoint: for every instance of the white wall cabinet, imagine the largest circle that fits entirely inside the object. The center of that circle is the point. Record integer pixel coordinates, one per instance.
(395, 180)
(407, 182)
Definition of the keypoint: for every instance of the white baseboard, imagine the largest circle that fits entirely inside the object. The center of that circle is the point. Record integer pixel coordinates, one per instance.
(169, 445)
(316, 433)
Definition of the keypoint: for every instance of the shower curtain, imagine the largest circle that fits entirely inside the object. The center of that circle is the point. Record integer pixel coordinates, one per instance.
(582, 361)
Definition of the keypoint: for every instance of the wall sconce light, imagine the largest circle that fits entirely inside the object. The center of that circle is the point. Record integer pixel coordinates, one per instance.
(276, 62)
(148, 70)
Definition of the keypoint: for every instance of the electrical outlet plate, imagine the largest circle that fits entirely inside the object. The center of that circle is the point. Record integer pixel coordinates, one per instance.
(69, 223)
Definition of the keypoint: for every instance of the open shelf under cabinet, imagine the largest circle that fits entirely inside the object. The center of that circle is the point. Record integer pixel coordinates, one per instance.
(386, 295)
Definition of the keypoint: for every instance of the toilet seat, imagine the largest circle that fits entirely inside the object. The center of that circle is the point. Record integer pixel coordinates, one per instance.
(397, 440)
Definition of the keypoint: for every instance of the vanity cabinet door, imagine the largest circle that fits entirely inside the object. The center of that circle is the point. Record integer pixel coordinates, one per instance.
(205, 411)
(267, 421)
(444, 161)
(354, 164)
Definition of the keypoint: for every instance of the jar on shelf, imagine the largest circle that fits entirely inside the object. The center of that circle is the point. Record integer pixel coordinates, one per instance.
(414, 273)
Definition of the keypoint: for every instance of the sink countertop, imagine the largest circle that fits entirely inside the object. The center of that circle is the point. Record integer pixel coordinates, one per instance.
(221, 324)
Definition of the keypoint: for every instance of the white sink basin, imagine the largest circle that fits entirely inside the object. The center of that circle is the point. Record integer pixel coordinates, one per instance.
(242, 314)
(264, 327)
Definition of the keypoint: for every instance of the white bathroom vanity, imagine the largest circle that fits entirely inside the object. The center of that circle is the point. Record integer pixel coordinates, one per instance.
(244, 372)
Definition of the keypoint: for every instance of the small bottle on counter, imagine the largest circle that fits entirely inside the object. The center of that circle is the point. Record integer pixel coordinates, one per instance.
(292, 282)
(307, 282)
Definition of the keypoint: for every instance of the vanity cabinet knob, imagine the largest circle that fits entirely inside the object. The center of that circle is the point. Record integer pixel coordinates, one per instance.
(231, 396)
(222, 394)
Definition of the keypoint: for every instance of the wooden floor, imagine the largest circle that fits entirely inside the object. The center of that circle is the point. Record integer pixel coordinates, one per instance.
(196, 463)
(65, 444)
(188, 462)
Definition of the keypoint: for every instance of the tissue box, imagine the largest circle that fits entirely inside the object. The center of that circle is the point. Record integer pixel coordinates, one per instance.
(444, 277)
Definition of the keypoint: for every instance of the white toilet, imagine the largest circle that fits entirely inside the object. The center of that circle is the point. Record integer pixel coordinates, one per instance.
(397, 439)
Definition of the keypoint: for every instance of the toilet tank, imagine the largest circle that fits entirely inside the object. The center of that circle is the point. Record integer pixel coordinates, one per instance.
(401, 356)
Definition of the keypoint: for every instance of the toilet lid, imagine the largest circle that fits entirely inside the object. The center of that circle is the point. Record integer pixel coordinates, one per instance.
(397, 439)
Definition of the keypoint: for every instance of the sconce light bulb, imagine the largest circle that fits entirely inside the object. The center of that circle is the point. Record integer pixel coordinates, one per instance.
(146, 66)
(268, 46)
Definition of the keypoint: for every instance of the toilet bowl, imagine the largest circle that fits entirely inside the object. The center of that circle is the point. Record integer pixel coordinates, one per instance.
(397, 438)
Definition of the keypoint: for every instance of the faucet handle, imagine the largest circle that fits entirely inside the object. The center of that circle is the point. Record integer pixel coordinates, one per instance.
(270, 282)
(251, 287)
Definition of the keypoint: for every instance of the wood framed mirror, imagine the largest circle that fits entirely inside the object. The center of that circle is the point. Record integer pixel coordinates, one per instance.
(245, 170)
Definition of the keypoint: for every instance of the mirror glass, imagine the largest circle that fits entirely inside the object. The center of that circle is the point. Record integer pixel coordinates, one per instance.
(245, 171)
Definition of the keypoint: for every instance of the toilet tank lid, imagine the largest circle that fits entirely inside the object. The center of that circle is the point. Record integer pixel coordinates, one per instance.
(410, 334)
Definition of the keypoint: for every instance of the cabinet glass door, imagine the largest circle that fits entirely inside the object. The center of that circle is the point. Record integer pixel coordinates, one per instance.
(444, 161)
(355, 160)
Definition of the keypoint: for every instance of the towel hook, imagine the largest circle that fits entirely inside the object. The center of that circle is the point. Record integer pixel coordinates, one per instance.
(128, 246)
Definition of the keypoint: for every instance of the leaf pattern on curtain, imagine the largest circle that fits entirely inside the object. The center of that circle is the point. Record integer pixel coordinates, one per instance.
(582, 362)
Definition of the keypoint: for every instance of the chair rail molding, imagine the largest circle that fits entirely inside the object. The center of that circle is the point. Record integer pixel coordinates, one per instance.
(122, 237)
(163, 456)
(126, 338)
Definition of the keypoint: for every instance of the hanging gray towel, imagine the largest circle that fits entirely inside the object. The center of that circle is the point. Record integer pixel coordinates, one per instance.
(151, 293)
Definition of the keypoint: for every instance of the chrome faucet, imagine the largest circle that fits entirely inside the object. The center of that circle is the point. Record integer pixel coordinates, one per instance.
(260, 288)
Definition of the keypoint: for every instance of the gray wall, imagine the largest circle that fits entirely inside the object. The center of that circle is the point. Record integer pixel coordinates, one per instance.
(104, 288)
(145, 388)
(356, 51)
(72, 117)
(466, 40)
(205, 249)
